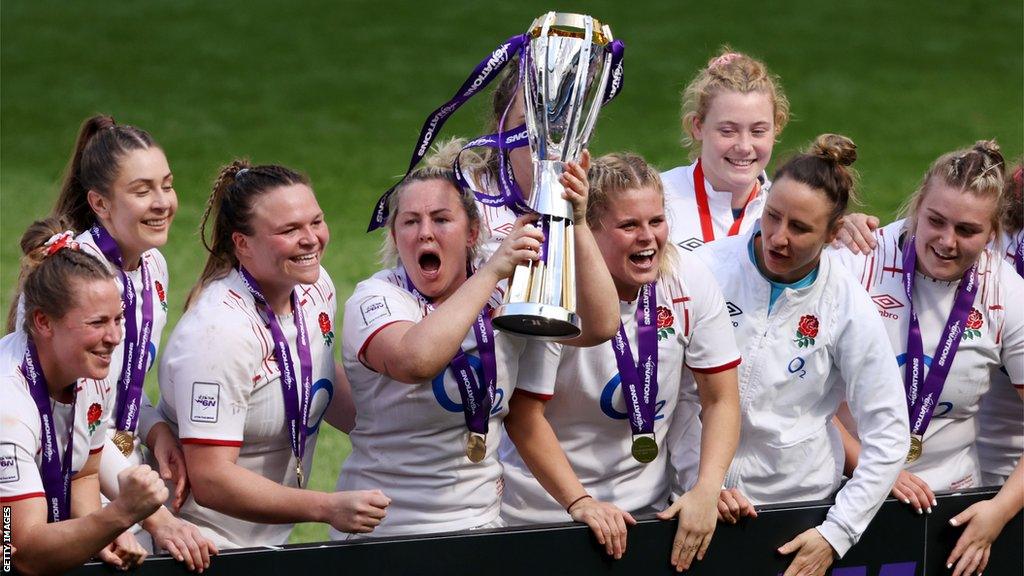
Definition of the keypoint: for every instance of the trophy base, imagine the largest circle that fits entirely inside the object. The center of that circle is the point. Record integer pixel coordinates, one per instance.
(539, 321)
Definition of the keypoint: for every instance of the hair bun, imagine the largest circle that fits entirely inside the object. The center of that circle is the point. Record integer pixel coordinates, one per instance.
(835, 148)
(989, 148)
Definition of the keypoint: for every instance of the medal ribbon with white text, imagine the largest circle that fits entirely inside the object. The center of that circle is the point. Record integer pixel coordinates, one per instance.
(639, 380)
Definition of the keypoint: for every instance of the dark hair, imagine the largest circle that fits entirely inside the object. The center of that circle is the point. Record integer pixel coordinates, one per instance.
(95, 163)
(1013, 198)
(825, 167)
(45, 278)
(230, 205)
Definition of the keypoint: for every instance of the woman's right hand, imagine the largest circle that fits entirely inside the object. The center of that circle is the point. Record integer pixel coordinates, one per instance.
(357, 511)
(733, 505)
(522, 245)
(857, 233)
(911, 489)
(607, 521)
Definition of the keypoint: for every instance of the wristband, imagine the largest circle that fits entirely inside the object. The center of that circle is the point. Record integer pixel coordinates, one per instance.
(576, 501)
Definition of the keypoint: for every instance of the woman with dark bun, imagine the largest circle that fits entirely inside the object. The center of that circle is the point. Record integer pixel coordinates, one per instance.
(953, 316)
(53, 431)
(810, 339)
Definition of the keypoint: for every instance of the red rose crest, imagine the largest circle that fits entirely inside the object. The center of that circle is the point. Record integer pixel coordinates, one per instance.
(93, 415)
(665, 322)
(806, 330)
(325, 328)
(161, 294)
(974, 323)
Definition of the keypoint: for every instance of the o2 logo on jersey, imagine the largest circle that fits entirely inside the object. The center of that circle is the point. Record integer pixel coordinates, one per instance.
(152, 356)
(441, 395)
(796, 366)
(608, 395)
(942, 408)
(320, 396)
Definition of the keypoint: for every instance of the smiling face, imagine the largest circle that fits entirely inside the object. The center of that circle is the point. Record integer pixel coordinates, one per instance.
(794, 229)
(433, 236)
(288, 239)
(138, 209)
(82, 341)
(737, 136)
(952, 229)
(631, 237)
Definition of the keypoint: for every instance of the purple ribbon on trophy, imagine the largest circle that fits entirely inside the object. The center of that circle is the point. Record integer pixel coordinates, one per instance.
(923, 391)
(639, 380)
(136, 338)
(296, 395)
(54, 471)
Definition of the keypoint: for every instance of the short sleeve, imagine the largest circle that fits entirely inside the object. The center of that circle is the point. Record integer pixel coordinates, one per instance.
(712, 345)
(19, 474)
(373, 306)
(538, 366)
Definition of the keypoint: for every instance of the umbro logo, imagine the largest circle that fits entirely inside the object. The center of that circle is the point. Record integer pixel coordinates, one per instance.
(691, 244)
(885, 302)
(734, 310)
(504, 229)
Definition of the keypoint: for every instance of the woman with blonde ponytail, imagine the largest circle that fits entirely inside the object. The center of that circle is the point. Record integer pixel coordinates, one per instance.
(249, 373)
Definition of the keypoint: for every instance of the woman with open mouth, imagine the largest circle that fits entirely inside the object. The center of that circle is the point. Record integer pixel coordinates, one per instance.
(588, 426)
(53, 431)
(430, 377)
(951, 310)
(249, 370)
(118, 195)
(810, 339)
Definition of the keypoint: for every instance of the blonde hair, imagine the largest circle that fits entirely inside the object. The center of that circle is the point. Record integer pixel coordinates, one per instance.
(614, 174)
(729, 72)
(977, 170)
(437, 166)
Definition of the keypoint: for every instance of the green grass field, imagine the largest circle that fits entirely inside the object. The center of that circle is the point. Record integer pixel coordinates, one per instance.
(339, 89)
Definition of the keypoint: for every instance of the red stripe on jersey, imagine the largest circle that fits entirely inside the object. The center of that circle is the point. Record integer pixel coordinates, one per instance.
(717, 369)
(996, 307)
(362, 349)
(211, 442)
(683, 299)
(233, 293)
(96, 450)
(686, 318)
(535, 395)
(1019, 386)
(23, 496)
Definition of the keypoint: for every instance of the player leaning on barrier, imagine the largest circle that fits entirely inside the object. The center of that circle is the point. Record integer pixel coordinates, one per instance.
(51, 455)
(810, 339)
(248, 373)
(951, 309)
(589, 424)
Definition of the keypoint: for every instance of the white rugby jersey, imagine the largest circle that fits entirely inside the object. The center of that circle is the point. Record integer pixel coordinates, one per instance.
(410, 439)
(20, 435)
(819, 345)
(684, 217)
(994, 337)
(1001, 420)
(587, 411)
(220, 385)
(148, 415)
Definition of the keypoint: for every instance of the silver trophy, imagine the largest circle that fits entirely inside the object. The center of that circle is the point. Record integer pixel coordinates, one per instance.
(565, 71)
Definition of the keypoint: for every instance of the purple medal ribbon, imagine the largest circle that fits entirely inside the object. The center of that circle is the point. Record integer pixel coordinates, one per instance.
(511, 195)
(54, 470)
(1018, 257)
(639, 383)
(477, 396)
(923, 391)
(296, 397)
(136, 341)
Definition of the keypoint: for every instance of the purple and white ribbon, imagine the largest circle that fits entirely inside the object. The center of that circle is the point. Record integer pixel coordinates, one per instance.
(1018, 257)
(639, 380)
(136, 339)
(54, 471)
(923, 391)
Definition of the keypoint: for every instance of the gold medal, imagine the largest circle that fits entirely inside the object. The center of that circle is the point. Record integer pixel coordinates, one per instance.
(298, 472)
(125, 442)
(476, 448)
(645, 449)
(916, 447)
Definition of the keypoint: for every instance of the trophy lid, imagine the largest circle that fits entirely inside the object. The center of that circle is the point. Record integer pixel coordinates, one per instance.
(570, 25)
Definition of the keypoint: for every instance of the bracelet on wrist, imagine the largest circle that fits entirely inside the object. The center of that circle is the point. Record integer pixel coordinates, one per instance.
(576, 501)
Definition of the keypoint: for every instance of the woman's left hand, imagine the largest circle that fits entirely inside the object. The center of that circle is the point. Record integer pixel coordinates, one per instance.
(170, 461)
(982, 521)
(813, 554)
(698, 516)
(124, 553)
(577, 186)
(184, 542)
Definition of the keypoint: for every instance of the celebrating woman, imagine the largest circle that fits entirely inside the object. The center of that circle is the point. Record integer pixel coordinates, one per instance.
(430, 377)
(248, 371)
(671, 314)
(952, 317)
(51, 449)
(809, 340)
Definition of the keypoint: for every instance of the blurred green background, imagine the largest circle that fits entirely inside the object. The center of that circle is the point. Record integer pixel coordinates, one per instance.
(339, 89)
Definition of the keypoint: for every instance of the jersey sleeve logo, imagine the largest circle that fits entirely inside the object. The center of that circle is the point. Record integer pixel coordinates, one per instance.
(665, 321)
(374, 308)
(325, 328)
(9, 462)
(205, 402)
(974, 323)
(93, 415)
(806, 330)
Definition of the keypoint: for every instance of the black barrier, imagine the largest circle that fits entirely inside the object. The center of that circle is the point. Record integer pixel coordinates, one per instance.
(898, 543)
